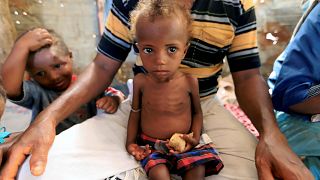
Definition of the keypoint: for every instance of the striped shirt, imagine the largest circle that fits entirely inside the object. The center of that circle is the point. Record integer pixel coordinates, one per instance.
(221, 28)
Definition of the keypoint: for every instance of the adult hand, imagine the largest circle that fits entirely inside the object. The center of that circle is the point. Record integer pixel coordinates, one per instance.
(36, 141)
(274, 158)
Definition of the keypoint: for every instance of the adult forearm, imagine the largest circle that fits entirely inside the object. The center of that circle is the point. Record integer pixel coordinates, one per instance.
(253, 97)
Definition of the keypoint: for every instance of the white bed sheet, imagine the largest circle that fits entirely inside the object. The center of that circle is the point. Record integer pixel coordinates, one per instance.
(94, 149)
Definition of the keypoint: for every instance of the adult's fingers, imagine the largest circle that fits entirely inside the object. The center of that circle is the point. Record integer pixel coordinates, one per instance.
(265, 175)
(264, 171)
(38, 160)
(16, 156)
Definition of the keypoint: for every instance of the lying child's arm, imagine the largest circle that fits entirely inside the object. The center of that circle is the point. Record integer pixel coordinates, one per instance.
(15, 65)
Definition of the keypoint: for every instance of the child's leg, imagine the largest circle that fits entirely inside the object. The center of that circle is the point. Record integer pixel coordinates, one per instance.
(160, 172)
(195, 173)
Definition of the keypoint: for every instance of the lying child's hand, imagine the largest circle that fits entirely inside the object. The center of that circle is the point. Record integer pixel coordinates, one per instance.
(108, 103)
(34, 39)
(138, 152)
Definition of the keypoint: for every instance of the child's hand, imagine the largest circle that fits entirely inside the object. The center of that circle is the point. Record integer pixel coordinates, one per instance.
(108, 103)
(35, 39)
(138, 152)
(191, 142)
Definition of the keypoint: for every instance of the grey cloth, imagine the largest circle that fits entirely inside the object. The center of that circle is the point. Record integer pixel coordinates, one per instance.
(37, 98)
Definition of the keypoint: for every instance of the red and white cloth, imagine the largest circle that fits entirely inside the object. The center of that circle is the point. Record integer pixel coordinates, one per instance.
(242, 117)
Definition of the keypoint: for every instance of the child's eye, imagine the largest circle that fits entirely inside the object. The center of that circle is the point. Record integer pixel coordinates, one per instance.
(57, 66)
(147, 50)
(40, 74)
(172, 49)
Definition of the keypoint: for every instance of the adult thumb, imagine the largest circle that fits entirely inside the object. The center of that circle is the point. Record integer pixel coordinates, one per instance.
(38, 160)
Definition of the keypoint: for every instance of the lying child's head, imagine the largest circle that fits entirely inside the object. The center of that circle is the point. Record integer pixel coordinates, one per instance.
(51, 65)
(162, 31)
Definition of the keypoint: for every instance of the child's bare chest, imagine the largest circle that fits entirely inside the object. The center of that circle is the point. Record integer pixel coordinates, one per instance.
(167, 98)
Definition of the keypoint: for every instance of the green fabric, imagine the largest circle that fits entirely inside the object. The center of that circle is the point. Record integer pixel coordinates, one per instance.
(303, 137)
(313, 163)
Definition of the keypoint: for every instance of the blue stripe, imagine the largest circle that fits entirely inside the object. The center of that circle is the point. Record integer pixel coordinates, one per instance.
(108, 35)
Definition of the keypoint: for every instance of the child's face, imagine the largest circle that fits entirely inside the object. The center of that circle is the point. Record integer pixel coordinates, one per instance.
(162, 45)
(51, 71)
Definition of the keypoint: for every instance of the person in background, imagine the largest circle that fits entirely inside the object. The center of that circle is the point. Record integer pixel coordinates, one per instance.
(295, 88)
(48, 61)
(221, 28)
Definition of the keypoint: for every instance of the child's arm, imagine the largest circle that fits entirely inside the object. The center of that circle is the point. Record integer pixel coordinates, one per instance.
(110, 102)
(14, 66)
(197, 116)
(134, 122)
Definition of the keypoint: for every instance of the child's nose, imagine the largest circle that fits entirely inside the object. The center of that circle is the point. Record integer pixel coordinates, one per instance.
(54, 75)
(161, 59)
